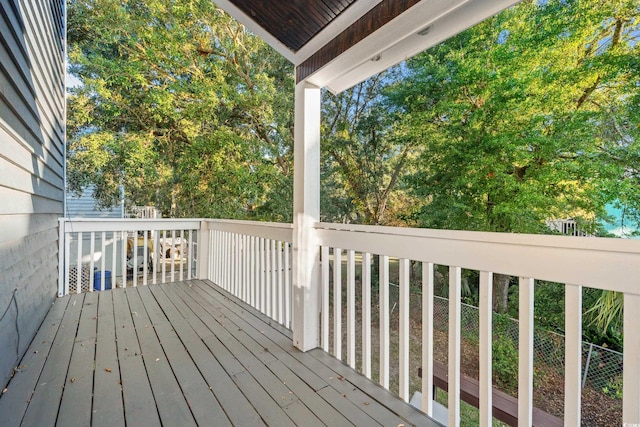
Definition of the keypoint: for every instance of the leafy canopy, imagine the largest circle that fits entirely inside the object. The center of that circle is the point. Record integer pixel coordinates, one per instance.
(529, 116)
(181, 106)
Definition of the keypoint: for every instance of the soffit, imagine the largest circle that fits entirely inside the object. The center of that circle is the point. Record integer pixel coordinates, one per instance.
(339, 43)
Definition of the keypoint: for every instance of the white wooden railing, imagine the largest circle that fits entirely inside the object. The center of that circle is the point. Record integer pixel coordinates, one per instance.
(611, 264)
(96, 253)
(252, 260)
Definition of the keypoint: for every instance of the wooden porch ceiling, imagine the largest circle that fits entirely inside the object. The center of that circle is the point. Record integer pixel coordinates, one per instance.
(293, 22)
(339, 43)
(184, 354)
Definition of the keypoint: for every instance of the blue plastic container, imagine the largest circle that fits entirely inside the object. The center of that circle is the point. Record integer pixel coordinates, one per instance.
(97, 276)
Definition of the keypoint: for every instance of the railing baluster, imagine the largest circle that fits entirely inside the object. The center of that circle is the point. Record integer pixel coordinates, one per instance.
(190, 255)
(213, 256)
(123, 256)
(252, 271)
(404, 330)
(182, 257)
(215, 267)
(455, 296)
(134, 258)
(384, 321)
(221, 259)
(103, 251)
(485, 356)
(244, 263)
(241, 267)
(114, 257)
(631, 362)
(263, 270)
(67, 262)
(366, 314)
(228, 253)
(280, 285)
(231, 263)
(225, 262)
(325, 298)
(351, 308)
(525, 352)
(274, 286)
(573, 354)
(245, 268)
(337, 303)
(156, 250)
(267, 272)
(79, 265)
(61, 253)
(145, 266)
(92, 246)
(427, 338)
(287, 285)
(234, 264)
(164, 256)
(173, 256)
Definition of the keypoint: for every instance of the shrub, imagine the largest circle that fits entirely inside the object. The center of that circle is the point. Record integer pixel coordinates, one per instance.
(505, 364)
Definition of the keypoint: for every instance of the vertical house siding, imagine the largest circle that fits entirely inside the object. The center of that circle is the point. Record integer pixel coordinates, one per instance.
(31, 168)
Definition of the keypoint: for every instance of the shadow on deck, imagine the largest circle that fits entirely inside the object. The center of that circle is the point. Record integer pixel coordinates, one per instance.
(184, 354)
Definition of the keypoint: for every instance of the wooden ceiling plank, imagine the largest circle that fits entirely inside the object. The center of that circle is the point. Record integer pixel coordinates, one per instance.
(334, 6)
(293, 22)
(377, 17)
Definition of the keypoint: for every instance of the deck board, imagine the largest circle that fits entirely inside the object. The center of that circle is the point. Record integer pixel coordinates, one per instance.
(13, 405)
(108, 409)
(197, 393)
(75, 407)
(236, 406)
(44, 404)
(265, 396)
(139, 404)
(186, 353)
(253, 323)
(168, 396)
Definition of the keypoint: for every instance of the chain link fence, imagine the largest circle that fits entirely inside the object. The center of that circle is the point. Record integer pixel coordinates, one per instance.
(601, 367)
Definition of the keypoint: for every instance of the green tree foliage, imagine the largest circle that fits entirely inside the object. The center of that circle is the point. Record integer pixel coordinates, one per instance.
(364, 156)
(528, 116)
(180, 105)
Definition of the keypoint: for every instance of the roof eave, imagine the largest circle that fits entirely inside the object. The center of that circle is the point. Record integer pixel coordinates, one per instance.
(419, 28)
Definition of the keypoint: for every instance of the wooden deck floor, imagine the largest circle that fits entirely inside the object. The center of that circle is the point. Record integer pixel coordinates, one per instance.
(183, 354)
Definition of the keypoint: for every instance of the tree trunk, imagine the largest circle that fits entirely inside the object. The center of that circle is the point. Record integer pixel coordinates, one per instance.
(500, 292)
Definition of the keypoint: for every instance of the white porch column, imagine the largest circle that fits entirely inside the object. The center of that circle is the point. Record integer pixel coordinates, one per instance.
(306, 212)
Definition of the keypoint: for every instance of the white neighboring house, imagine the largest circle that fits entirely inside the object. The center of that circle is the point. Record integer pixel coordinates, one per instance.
(567, 227)
(84, 206)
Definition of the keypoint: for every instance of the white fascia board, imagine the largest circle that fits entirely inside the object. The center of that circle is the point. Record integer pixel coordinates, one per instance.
(255, 28)
(335, 28)
(399, 39)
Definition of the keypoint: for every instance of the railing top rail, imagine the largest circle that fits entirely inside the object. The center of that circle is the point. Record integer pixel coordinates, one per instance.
(222, 222)
(269, 230)
(128, 224)
(542, 240)
(604, 263)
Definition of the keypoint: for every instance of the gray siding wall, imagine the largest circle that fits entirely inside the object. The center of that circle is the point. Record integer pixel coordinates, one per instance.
(31, 168)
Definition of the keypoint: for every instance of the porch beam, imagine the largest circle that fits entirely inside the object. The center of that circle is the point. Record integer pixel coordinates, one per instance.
(306, 213)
